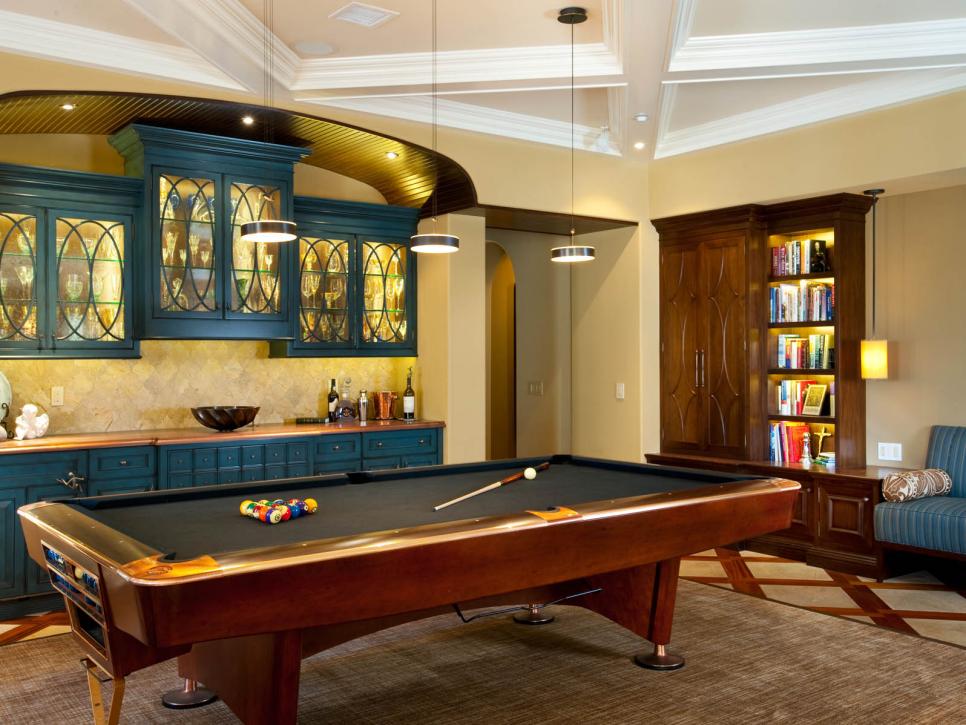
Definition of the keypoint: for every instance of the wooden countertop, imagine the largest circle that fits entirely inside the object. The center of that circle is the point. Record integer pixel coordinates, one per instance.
(172, 436)
(864, 473)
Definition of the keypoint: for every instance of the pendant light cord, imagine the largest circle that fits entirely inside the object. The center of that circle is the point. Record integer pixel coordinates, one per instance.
(875, 203)
(573, 226)
(435, 123)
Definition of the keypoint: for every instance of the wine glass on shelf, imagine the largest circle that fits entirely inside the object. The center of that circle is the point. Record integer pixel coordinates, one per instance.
(268, 259)
(205, 255)
(194, 241)
(73, 287)
(25, 273)
(170, 242)
(97, 287)
(183, 256)
(307, 289)
(23, 243)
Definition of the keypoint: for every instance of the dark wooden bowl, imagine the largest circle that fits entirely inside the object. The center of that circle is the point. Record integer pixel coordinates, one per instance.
(225, 418)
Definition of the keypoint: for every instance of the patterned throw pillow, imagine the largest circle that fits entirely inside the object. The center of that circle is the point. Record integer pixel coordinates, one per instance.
(916, 484)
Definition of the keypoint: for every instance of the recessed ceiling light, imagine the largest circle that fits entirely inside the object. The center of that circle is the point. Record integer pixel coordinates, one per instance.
(641, 117)
(68, 107)
(248, 120)
(314, 48)
(639, 145)
(392, 155)
(368, 16)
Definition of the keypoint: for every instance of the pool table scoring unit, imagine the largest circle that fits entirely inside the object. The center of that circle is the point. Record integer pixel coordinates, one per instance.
(240, 604)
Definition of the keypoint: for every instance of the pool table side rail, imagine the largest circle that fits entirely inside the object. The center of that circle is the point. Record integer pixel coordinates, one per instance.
(143, 565)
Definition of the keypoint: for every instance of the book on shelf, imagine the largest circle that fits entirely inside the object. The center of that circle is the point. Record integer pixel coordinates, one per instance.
(813, 352)
(805, 256)
(790, 396)
(786, 441)
(802, 302)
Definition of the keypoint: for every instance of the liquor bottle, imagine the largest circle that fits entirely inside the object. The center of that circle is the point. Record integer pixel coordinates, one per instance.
(333, 402)
(363, 407)
(346, 411)
(409, 398)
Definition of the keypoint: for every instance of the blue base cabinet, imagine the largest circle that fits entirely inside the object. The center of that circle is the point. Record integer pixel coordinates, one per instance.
(402, 449)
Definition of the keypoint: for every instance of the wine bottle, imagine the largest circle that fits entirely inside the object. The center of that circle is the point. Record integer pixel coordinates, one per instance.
(409, 398)
(333, 402)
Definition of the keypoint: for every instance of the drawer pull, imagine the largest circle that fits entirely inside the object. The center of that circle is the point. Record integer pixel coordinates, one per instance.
(123, 461)
(866, 499)
(336, 448)
(378, 444)
(422, 441)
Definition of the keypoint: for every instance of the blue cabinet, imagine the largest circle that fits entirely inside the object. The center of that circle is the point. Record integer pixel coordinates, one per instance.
(65, 273)
(355, 281)
(193, 465)
(199, 278)
(402, 449)
(12, 557)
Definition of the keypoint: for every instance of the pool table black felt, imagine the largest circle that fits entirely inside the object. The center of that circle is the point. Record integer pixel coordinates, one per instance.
(196, 522)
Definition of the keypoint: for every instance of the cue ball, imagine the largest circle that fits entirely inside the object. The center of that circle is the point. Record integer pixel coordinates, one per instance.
(530, 473)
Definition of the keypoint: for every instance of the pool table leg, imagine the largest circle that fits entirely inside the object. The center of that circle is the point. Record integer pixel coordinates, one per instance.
(535, 614)
(662, 615)
(189, 696)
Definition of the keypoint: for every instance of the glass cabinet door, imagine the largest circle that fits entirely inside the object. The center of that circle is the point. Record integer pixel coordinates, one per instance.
(187, 244)
(384, 266)
(256, 266)
(18, 277)
(324, 289)
(89, 280)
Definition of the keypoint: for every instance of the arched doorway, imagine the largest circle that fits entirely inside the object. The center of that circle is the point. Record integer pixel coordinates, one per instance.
(501, 351)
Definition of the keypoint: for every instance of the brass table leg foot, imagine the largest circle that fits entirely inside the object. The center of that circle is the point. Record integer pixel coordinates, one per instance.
(190, 696)
(535, 614)
(659, 659)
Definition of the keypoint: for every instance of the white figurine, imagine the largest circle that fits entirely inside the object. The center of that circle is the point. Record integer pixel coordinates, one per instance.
(31, 425)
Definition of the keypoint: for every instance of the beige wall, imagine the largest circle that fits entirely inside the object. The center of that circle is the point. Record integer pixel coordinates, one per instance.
(500, 354)
(543, 342)
(921, 306)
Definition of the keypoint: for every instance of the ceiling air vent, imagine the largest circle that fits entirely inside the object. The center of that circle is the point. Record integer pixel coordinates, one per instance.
(368, 16)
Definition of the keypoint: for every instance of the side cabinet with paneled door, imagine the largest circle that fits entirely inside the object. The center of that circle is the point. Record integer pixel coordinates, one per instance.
(356, 281)
(709, 332)
(200, 278)
(402, 449)
(207, 464)
(129, 469)
(65, 271)
(27, 478)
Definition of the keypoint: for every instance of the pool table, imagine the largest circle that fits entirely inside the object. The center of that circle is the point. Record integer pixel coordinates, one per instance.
(180, 573)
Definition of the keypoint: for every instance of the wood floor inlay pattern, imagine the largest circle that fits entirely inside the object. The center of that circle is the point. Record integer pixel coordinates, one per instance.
(928, 608)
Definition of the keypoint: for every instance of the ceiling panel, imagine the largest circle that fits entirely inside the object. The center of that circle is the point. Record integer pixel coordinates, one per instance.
(112, 16)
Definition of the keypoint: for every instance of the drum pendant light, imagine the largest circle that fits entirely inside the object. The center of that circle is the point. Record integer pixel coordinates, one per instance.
(573, 252)
(268, 231)
(874, 353)
(434, 242)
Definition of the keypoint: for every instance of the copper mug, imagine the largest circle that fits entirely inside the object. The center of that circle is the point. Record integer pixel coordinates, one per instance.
(383, 405)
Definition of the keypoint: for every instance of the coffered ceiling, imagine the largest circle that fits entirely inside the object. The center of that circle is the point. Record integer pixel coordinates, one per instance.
(706, 72)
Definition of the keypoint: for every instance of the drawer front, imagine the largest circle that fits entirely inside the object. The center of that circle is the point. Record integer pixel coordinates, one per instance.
(205, 459)
(322, 467)
(252, 455)
(428, 459)
(253, 473)
(845, 515)
(179, 460)
(123, 462)
(297, 452)
(297, 470)
(274, 472)
(17, 470)
(179, 480)
(330, 447)
(229, 475)
(121, 485)
(204, 478)
(229, 457)
(400, 442)
(12, 556)
(274, 453)
(382, 464)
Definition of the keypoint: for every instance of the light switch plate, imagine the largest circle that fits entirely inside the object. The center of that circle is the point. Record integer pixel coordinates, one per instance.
(535, 387)
(890, 451)
(57, 396)
(619, 391)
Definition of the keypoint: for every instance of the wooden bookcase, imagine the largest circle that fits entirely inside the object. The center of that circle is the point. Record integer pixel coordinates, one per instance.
(718, 347)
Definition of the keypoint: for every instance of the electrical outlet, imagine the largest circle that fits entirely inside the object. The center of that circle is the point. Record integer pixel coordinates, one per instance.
(536, 387)
(57, 396)
(619, 391)
(890, 451)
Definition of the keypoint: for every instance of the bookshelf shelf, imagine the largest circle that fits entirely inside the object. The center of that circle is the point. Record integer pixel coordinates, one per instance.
(815, 276)
(826, 419)
(800, 325)
(801, 371)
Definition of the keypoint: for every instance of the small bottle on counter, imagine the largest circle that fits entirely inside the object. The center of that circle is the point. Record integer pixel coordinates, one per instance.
(409, 398)
(333, 401)
(345, 409)
(363, 407)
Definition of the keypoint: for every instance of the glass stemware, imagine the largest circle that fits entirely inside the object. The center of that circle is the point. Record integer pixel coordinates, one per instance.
(194, 240)
(97, 286)
(25, 273)
(23, 243)
(170, 242)
(205, 256)
(182, 255)
(73, 287)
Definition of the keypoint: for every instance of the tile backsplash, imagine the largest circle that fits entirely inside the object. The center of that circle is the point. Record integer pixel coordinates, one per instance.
(172, 376)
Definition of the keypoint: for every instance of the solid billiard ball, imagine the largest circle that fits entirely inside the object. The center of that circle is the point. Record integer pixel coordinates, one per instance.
(530, 473)
(312, 505)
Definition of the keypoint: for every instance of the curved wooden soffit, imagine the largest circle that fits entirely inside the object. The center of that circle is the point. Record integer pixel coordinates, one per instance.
(338, 147)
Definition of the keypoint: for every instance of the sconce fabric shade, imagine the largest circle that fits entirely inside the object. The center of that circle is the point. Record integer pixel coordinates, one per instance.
(573, 253)
(434, 243)
(875, 359)
(269, 231)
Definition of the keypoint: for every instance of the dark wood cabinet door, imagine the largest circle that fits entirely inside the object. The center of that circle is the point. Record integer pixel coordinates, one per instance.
(723, 373)
(682, 420)
(845, 514)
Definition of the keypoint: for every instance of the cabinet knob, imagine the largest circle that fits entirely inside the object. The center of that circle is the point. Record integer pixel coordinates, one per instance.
(123, 461)
(378, 444)
(422, 441)
(808, 490)
(336, 448)
(866, 499)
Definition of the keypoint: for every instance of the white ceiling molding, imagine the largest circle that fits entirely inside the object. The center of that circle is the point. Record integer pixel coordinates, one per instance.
(31, 35)
(611, 23)
(842, 101)
(225, 33)
(822, 45)
(480, 119)
(683, 20)
(456, 66)
(461, 89)
(885, 65)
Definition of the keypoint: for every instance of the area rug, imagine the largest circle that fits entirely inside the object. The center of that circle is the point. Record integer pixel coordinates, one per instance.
(748, 661)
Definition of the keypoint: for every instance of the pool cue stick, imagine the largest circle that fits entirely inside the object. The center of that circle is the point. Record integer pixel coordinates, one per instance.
(489, 487)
